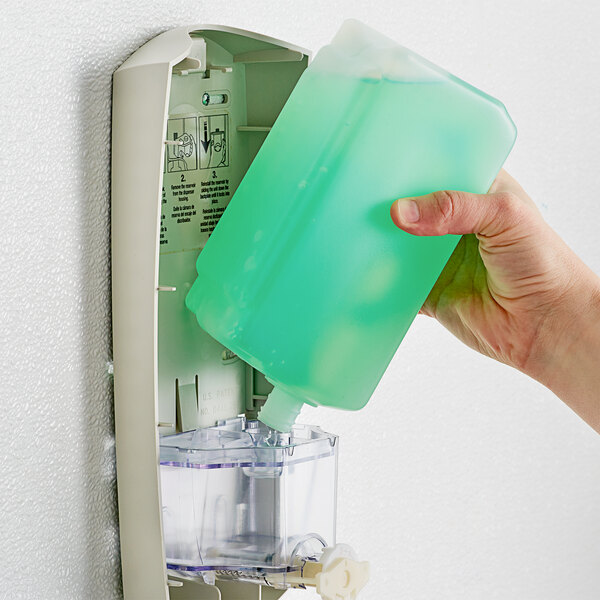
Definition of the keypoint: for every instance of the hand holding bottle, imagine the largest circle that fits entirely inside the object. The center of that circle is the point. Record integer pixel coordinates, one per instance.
(513, 290)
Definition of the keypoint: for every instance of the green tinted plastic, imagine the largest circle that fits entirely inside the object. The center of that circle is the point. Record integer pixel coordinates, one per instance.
(306, 277)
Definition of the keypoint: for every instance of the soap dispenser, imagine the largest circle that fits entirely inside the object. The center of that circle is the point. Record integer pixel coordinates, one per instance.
(212, 503)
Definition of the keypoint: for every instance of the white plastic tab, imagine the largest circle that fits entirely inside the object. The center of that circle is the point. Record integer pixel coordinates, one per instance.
(342, 579)
(338, 575)
(187, 406)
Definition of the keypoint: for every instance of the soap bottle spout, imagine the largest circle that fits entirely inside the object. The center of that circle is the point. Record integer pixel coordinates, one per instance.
(280, 410)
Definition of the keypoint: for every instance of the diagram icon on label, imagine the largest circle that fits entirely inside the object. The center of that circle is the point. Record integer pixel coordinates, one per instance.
(214, 142)
(184, 155)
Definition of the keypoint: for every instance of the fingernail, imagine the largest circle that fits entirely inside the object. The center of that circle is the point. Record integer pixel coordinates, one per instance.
(408, 211)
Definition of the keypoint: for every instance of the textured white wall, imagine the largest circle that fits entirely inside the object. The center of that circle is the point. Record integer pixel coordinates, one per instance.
(461, 479)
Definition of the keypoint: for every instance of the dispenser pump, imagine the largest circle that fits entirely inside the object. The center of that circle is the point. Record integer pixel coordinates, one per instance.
(280, 410)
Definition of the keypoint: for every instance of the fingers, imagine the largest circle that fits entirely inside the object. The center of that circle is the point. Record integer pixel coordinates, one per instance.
(458, 213)
(505, 182)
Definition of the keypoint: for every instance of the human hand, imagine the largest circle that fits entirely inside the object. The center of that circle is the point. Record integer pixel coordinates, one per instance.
(513, 290)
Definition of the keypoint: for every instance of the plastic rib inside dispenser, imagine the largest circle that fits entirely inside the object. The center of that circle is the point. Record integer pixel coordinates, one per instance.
(243, 501)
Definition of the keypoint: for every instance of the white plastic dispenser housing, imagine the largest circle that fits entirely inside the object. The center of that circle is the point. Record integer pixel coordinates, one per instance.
(212, 503)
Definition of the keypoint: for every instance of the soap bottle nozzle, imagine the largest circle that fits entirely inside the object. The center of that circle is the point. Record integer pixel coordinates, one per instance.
(280, 410)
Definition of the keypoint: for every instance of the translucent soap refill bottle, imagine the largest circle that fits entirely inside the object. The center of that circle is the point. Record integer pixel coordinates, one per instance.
(305, 276)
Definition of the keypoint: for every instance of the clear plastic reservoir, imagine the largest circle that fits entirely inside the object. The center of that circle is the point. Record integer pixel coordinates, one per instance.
(242, 501)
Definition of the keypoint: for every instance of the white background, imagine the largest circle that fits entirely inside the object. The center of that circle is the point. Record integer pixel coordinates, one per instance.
(461, 479)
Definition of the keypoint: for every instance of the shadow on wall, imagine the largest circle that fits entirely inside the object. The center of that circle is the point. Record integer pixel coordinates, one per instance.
(101, 561)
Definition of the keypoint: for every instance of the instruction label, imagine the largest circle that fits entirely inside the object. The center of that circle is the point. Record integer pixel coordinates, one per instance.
(196, 183)
(214, 141)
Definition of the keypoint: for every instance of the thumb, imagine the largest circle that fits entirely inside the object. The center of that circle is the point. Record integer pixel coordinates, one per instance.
(455, 212)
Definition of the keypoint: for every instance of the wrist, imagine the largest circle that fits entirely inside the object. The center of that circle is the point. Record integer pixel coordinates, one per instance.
(569, 364)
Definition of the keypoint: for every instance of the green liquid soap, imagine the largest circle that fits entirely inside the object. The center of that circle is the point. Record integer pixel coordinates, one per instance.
(306, 277)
